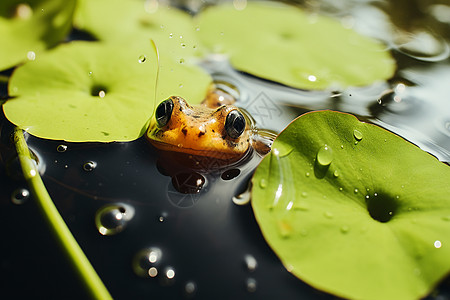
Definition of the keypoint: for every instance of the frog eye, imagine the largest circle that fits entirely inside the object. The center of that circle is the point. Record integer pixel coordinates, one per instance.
(164, 112)
(235, 124)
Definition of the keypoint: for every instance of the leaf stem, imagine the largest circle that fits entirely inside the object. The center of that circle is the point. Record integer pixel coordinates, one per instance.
(80, 262)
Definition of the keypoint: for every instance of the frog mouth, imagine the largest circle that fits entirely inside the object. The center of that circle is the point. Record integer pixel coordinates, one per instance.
(212, 153)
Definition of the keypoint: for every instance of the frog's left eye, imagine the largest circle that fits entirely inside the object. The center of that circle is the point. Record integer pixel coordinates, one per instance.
(164, 112)
(235, 124)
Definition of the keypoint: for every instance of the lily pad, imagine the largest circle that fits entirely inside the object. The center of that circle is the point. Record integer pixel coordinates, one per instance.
(135, 21)
(86, 91)
(354, 210)
(284, 44)
(29, 27)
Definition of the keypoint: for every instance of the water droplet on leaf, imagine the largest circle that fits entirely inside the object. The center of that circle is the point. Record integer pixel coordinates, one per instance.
(142, 59)
(325, 156)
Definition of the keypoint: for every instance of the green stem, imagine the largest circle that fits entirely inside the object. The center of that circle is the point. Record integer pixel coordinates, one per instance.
(77, 257)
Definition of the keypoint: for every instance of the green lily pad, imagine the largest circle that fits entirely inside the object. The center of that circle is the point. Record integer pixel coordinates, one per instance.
(284, 44)
(86, 91)
(135, 21)
(29, 27)
(354, 210)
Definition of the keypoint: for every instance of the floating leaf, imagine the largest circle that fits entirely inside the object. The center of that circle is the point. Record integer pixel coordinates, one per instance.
(87, 91)
(285, 44)
(353, 209)
(135, 21)
(28, 27)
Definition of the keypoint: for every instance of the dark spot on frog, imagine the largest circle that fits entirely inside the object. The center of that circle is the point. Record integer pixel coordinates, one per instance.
(201, 133)
(184, 131)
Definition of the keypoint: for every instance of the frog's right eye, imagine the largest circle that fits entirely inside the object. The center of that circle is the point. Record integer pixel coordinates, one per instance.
(164, 112)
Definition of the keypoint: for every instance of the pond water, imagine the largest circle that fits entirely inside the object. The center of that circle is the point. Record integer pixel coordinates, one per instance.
(146, 239)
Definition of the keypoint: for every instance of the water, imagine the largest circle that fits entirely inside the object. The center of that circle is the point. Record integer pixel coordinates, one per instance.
(197, 240)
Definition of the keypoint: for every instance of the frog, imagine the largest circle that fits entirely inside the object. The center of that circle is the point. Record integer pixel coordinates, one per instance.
(225, 132)
(197, 141)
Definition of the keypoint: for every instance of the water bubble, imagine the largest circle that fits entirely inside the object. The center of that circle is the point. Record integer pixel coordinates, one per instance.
(162, 217)
(20, 196)
(170, 35)
(437, 244)
(113, 218)
(89, 166)
(183, 45)
(142, 59)
(197, 28)
(31, 55)
(250, 262)
(336, 173)
(328, 214)
(355, 191)
(325, 156)
(181, 60)
(168, 276)
(61, 148)
(357, 134)
(263, 183)
(307, 174)
(190, 288)
(304, 194)
(180, 85)
(90, 74)
(145, 262)
(345, 229)
(341, 189)
(251, 285)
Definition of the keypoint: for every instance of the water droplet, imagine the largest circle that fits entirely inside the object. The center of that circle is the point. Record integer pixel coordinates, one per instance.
(307, 174)
(61, 148)
(197, 28)
(170, 35)
(168, 276)
(375, 194)
(89, 166)
(357, 134)
(263, 183)
(345, 229)
(101, 93)
(341, 189)
(250, 262)
(153, 272)
(90, 74)
(342, 146)
(162, 217)
(301, 205)
(180, 85)
(355, 191)
(20, 196)
(190, 288)
(181, 60)
(221, 33)
(113, 218)
(437, 244)
(328, 214)
(31, 55)
(183, 45)
(325, 156)
(367, 196)
(251, 285)
(284, 228)
(145, 262)
(336, 173)
(304, 194)
(142, 59)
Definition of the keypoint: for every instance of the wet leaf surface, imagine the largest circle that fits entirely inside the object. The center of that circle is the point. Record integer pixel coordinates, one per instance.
(353, 209)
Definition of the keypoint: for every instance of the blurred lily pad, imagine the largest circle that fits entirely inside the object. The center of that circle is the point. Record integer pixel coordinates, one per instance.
(87, 91)
(354, 210)
(29, 27)
(135, 21)
(284, 44)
